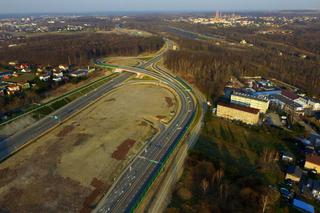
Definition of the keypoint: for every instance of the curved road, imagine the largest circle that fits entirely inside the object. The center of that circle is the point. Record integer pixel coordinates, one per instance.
(129, 189)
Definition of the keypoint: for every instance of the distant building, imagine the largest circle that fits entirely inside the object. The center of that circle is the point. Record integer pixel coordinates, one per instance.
(250, 101)
(237, 112)
(312, 162)
(294, 173)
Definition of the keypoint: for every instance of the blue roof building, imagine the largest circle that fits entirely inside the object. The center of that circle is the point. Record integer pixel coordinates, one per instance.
(303, 206)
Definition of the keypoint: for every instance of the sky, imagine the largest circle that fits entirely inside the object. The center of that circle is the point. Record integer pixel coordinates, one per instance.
(63, 6)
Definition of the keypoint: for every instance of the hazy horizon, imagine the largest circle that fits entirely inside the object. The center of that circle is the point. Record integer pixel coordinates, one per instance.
(103, 6)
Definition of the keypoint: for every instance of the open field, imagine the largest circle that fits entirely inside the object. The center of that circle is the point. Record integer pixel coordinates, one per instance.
(124, 61)
(68, 169)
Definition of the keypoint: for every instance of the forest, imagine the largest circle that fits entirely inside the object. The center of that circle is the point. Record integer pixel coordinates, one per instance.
(209, 66)
(78, 48)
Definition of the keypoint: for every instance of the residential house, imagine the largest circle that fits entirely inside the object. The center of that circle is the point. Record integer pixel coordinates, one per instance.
(25, 70)
(63, 67)
(294, 173)
(13, 89)
(232, 111)
(312, 162)
(24, 85)
(22, 66)
(57, 74)
(79, 73)
(45, 77)
(6, 74)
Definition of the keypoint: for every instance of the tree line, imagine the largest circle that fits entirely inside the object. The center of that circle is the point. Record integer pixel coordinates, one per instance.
(79, 48)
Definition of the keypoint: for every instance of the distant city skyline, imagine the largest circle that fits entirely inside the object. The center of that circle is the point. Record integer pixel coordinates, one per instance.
(70, 6)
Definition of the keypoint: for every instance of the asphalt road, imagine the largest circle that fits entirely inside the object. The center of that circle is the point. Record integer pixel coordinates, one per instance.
(128, 189)
(11, 145)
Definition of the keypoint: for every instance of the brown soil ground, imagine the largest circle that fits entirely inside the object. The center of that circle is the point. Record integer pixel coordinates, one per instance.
(123, 149)
(169, 101)
(68, 169)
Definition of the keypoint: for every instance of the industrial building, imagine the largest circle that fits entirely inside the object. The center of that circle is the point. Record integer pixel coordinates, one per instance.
(286, 103)
(262, 104)
(232, 111)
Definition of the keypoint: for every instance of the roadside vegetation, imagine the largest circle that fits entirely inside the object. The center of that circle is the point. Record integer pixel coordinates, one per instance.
(233, 168)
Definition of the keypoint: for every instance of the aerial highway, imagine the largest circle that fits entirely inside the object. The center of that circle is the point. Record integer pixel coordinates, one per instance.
(129, 189)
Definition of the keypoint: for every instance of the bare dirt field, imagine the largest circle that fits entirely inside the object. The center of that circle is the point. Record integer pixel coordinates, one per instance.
(68, 169)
